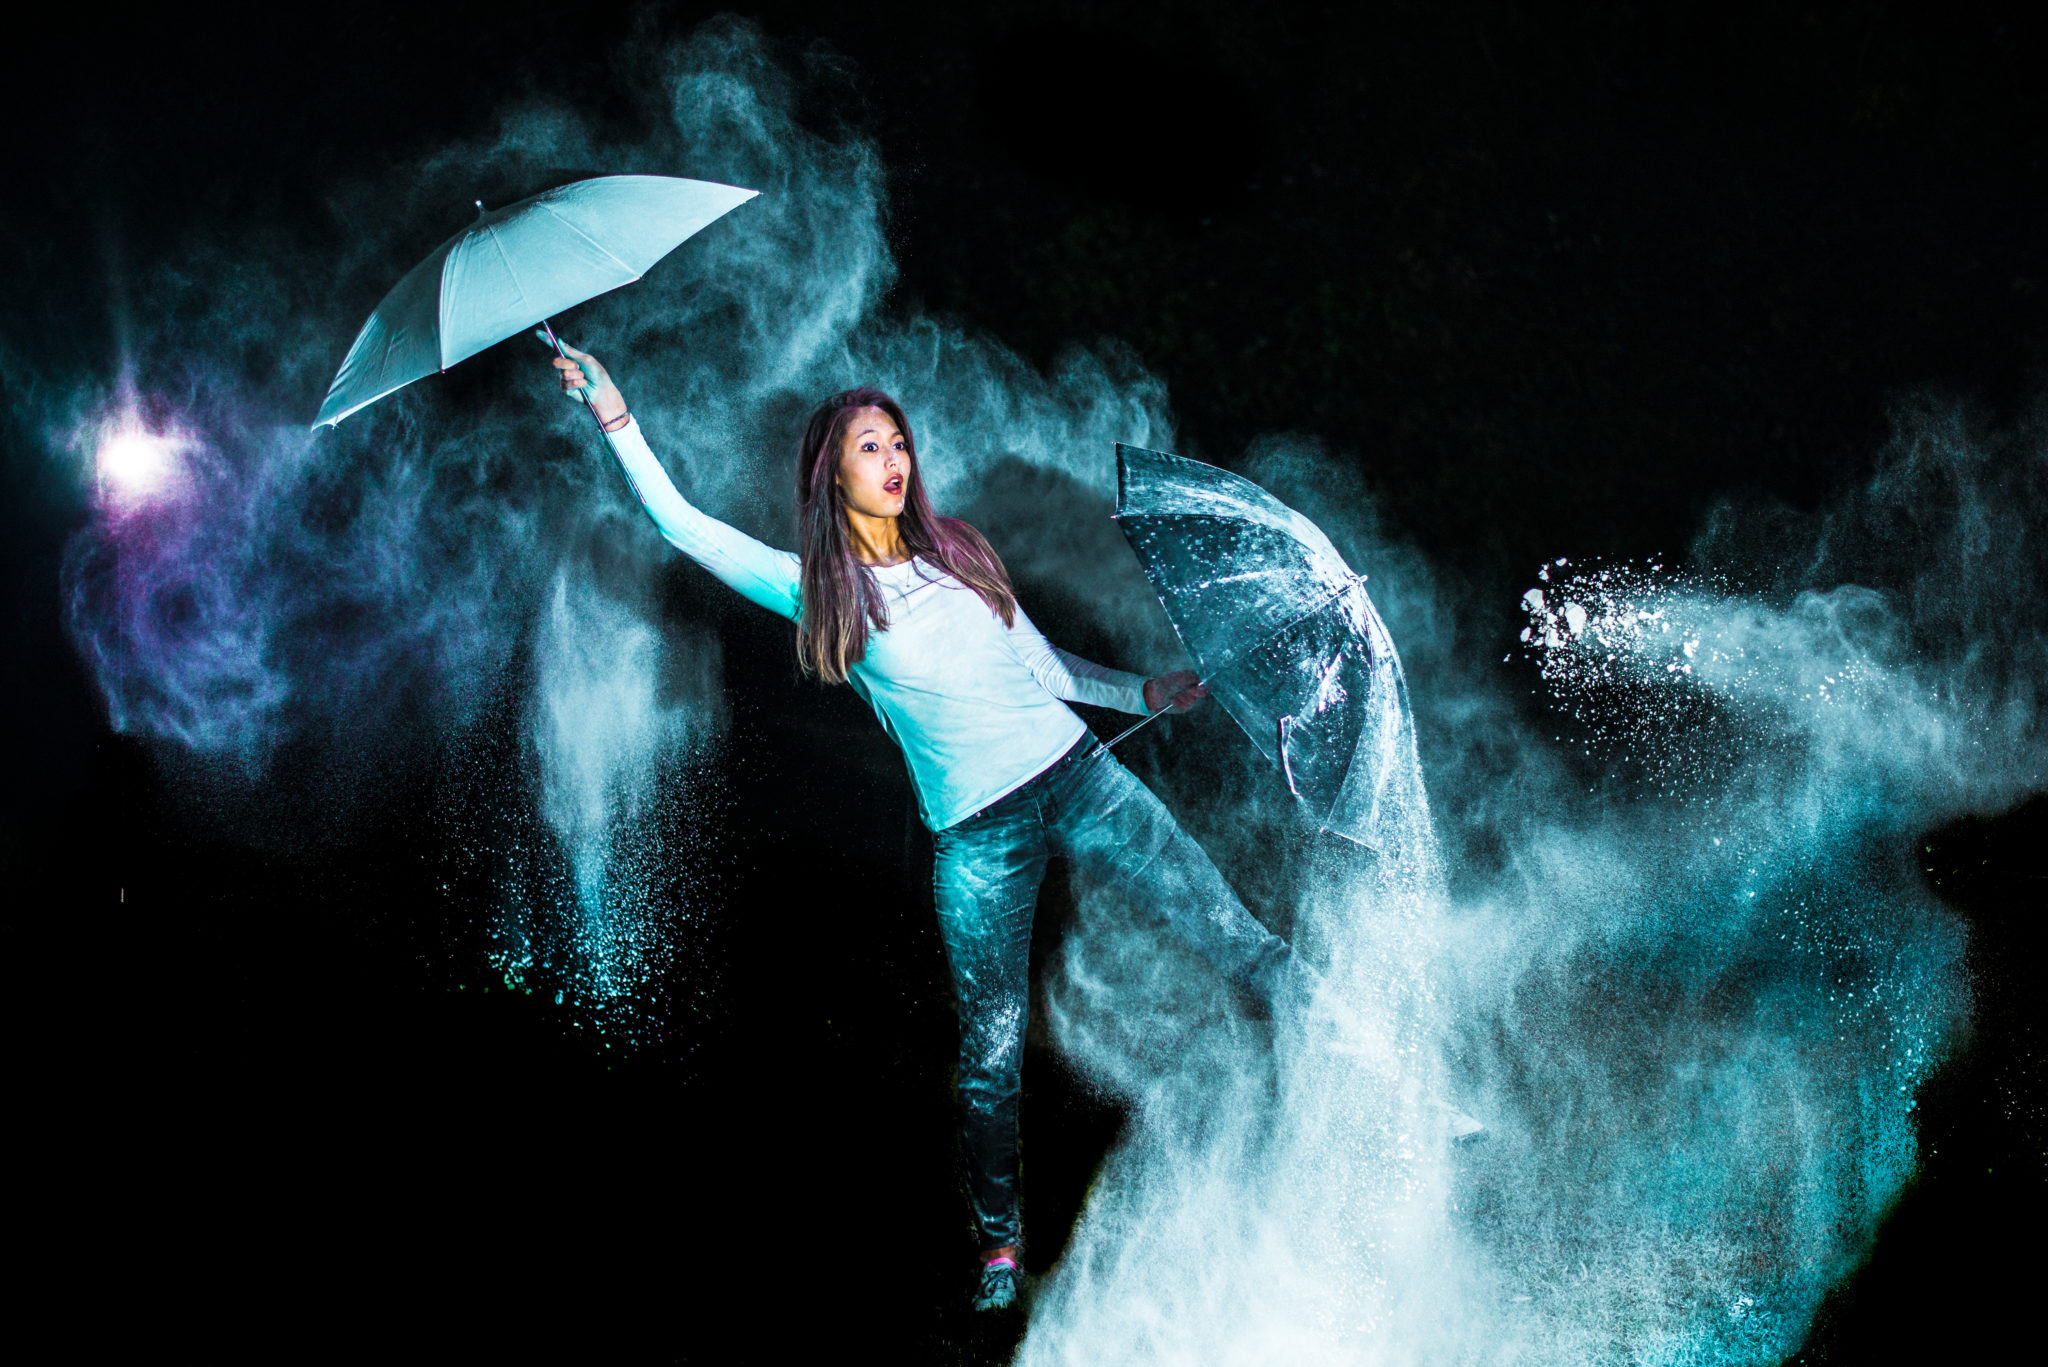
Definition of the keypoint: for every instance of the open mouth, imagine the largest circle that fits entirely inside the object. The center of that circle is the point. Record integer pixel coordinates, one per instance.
(893, 484)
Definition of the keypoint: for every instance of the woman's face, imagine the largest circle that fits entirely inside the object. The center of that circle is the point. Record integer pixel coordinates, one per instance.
(874, 465)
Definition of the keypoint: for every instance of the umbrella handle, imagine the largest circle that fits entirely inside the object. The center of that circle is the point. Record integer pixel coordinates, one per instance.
(556, 343)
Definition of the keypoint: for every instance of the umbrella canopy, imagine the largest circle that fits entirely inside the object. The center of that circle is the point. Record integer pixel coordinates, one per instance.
(516, 266)
(1284, 635)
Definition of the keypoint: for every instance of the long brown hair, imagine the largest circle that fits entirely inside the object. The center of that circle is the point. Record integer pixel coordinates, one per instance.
(841, 600)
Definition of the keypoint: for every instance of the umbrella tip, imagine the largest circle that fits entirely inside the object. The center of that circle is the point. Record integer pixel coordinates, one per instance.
(479, 208)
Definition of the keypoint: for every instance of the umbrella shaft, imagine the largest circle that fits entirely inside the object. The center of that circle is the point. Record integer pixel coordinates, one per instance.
(1138, 725)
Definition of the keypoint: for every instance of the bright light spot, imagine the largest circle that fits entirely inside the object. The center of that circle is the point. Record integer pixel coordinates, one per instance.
(136, 466)
(137, 462)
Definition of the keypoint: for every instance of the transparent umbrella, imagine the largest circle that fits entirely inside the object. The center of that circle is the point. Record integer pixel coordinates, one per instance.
(516, 266)
(1284, 635)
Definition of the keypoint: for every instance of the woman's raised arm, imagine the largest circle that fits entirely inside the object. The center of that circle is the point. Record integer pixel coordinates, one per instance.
(759, 573)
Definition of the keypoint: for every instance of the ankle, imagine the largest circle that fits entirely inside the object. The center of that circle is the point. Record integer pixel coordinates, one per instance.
(1007, 1253)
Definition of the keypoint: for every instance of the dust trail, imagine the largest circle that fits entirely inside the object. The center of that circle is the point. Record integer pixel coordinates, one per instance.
(1693, 999)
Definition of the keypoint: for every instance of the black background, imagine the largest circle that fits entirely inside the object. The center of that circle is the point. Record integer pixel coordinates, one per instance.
(1559, 278)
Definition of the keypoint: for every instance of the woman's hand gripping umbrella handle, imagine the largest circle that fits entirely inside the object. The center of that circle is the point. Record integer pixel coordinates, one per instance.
(1175, 692)
(586, 381)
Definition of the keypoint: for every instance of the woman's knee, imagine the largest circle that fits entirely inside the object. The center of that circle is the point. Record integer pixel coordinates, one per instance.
(992, 1046)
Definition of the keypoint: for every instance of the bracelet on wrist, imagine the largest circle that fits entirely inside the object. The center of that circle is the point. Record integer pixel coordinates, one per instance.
(614, 424)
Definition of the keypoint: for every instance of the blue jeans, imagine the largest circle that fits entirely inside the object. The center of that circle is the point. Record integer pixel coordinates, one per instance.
(1087, 808)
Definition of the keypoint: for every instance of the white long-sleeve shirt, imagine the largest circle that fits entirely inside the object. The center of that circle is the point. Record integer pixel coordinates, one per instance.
(976, 707)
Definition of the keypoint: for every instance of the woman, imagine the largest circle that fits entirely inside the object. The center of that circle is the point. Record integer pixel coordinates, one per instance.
(916, 613)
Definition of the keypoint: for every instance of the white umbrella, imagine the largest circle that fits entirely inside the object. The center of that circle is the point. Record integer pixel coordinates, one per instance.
(513, 268)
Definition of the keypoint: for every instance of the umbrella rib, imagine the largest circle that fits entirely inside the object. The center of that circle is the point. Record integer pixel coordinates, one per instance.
(1241, 577)
(1326, 680)
(506, 257)
(1329, 598)
(591, 240)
